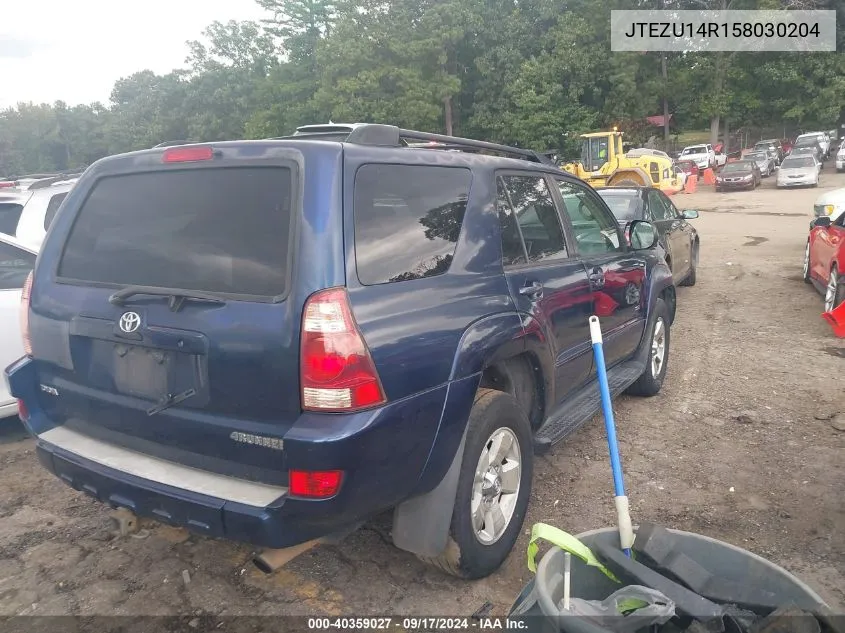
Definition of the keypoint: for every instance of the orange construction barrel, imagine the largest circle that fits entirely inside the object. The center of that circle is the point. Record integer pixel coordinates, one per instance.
(709, 177)
(690, 183)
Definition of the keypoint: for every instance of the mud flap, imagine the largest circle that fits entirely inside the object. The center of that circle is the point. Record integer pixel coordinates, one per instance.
(421, 525)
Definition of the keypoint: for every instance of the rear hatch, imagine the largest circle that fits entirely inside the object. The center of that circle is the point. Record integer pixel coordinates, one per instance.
(163, 323)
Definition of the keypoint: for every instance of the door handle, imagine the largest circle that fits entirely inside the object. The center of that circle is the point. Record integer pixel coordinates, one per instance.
(533, 290)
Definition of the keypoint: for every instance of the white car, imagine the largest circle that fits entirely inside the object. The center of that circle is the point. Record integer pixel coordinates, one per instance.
(16, 262)
(702, 155)
(799, 171)
(831, 204)
(822, 138)
(26, 212)
(840, 159)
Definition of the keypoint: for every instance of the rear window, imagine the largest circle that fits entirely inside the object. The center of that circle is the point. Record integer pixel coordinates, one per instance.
(625, 207)
(222, 230)
(407, 220)
(10, 214)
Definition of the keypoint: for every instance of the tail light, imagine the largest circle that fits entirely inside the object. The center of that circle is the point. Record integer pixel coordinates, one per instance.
(314, 484)
(336, 369)
(25, 295)
(23, 412)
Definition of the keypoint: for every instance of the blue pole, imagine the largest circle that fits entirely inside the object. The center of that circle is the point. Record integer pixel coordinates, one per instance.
(621, 500)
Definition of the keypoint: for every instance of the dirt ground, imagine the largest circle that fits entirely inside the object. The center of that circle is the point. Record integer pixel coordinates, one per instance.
(740, 445)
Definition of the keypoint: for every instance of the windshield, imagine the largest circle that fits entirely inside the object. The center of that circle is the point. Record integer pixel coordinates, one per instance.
(625, 205)
(697, 149)
(797, 163)
(738, 166)
(758, 156)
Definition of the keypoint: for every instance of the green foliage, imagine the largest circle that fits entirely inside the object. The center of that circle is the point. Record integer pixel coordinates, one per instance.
(534, 73)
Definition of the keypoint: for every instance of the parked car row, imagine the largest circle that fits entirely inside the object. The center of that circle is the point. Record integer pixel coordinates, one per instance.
(415, 350)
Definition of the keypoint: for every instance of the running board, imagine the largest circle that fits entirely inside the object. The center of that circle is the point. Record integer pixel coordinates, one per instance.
(580, 407)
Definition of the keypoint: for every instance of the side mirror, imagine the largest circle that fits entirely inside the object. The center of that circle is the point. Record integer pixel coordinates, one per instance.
(822, 221)
(689, 214)
(642, 235)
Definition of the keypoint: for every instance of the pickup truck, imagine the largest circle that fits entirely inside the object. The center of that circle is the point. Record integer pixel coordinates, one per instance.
(704, 156)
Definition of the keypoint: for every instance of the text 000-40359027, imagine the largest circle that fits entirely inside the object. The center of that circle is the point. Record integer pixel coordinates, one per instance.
(711, 31)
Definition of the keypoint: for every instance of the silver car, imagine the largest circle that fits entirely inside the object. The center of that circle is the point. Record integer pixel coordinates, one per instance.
(799, 171)
(764, 161)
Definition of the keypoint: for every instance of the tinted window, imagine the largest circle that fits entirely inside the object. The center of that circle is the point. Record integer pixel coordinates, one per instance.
(660, 207)
(625, 206)
(595, 230)
(407, 220)
(532, 204)
(15, 265)
(9, 216)
(513, 252)
(219, 230)
(52, 207)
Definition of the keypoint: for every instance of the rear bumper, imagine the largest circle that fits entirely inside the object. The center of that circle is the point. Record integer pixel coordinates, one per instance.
(382, 452)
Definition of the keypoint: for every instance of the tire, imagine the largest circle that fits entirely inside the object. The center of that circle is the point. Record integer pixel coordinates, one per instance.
(467, 555)
(689, 280)
(650, 382)
(807, 278)
(835, 290)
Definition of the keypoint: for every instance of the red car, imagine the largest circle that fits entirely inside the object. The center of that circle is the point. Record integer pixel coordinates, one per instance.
(824, 260)
(688, 167)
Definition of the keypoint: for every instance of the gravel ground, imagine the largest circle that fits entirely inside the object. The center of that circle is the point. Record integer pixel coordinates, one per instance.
(740, 445)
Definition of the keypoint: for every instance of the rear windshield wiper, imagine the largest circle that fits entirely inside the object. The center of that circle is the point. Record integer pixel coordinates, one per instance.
(177, 296)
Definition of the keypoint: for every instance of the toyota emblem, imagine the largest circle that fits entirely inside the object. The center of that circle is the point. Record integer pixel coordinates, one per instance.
(129, 322)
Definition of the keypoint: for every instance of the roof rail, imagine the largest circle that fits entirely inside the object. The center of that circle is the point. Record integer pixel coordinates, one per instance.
(171, 144)
(48, 182)
(391, 136)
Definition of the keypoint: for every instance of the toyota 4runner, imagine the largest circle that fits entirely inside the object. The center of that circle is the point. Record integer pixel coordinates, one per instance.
(272, 341)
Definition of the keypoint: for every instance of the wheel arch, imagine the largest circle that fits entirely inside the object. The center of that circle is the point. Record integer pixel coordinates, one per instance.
(494, 352)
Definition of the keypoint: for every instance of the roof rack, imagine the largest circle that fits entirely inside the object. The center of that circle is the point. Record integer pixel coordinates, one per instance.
(377, 134)
(53, 180)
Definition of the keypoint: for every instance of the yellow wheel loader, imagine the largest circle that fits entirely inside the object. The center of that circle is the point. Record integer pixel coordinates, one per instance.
(604, 163)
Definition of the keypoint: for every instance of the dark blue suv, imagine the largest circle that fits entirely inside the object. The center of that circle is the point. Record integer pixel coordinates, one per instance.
(272, 341)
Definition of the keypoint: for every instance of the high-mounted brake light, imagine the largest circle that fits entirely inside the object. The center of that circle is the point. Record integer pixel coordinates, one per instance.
(187, 154)
(26, 292)
(336, 370)
(314, 484)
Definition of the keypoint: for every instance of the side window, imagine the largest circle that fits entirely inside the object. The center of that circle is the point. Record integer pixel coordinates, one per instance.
(52, 207)
(407, 220)
(539, 224)
(15, 265)
(595, 229)
(513, 252)
(654, 171)
(659, 207)
(10, 214)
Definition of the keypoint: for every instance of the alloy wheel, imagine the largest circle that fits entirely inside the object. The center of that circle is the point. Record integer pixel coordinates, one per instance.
(658, 348)
(496, 486)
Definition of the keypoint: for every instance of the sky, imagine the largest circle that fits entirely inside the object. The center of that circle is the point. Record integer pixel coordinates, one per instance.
(74, 51)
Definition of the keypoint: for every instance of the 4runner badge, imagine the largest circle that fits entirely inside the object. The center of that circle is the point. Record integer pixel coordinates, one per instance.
(258, 440)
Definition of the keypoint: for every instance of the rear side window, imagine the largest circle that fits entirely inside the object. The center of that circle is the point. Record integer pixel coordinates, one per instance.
(52, 207)
(15, 265)
(407, 220)
(222, 230)
(10, 214)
